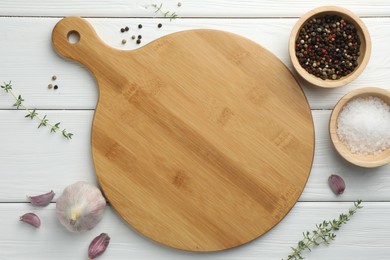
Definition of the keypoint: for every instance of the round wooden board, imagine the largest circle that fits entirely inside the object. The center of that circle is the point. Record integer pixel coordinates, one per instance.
(202, 140)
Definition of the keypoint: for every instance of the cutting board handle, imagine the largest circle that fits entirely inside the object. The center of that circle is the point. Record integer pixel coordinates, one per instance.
(86, 47)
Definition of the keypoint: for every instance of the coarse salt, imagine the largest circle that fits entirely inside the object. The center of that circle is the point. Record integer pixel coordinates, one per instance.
(364, 125)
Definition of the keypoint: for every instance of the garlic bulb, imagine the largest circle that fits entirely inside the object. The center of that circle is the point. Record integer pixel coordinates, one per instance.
(80, 207)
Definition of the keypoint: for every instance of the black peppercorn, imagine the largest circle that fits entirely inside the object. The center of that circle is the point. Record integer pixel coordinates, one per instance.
(140, 26)
(138, 41)
(126, 29)
(123, 30)
(55, 87)
(159, 25)
(139, 37)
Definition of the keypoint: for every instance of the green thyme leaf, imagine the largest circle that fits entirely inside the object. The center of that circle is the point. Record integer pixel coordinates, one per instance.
(67, 135)
(32, 114)
(43, 122)
(7, 87)
(19, 102)
(55, 127)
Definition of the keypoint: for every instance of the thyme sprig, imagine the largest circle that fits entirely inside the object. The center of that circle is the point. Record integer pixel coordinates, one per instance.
(43, 121)
(323, 234)
(167, 14)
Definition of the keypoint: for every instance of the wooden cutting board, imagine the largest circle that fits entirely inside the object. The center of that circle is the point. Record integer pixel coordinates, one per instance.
(202, 140)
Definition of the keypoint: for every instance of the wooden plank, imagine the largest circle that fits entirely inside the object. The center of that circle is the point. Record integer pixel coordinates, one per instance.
(366, 236)
(189, 8)
(31, 61)
(34, 161)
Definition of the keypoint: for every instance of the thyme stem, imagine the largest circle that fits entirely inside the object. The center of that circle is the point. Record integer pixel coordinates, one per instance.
(323, 234)
(167, 14)
(33, 114)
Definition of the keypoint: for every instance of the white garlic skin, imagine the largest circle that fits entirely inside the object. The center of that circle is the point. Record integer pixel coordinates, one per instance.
(80, 207)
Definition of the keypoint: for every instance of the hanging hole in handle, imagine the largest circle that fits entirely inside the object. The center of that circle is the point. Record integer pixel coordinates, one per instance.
(73, 37)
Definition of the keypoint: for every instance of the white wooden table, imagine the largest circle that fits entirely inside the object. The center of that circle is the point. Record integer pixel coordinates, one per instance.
(33, 161)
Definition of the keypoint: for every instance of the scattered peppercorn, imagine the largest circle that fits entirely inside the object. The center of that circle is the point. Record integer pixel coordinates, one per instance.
(139, 37)
(126, 28)
(123, 41)
(328, 47)
(55, 87)
(50, 86)
(123, 30)
(179, 4)
(133, 37)
(138, 41)
(54, 77)
(159, 25)
(140, 26)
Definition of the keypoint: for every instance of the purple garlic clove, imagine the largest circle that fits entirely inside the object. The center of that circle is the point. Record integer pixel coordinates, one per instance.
(31, 219)
(98, 245)
(337, 184)
(42, 200)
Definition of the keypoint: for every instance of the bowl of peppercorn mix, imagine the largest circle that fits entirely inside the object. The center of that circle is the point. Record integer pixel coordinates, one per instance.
(329, 46)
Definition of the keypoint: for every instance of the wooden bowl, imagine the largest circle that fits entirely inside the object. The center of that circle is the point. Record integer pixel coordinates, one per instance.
(365, 46)
(368, 161)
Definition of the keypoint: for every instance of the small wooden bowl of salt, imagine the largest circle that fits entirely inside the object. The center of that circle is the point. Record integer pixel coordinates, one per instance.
(359, 127)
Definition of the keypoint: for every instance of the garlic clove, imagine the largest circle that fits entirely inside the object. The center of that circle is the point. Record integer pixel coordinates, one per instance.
(31, 219)
(98, 245)
(42, 200)
(80, 207)
(336, 183)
